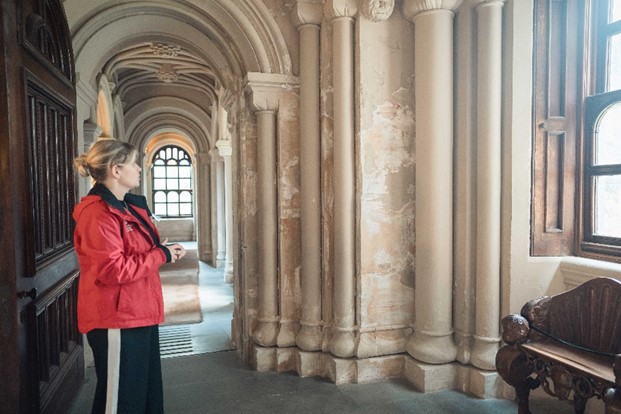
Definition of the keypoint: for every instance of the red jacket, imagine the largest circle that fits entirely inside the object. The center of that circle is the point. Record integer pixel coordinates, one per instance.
(119, 257)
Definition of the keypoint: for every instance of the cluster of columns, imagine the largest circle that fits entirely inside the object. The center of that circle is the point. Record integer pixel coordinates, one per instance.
(432, 341)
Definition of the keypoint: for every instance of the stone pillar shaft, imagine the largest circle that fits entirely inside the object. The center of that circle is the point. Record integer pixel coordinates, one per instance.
(489, 87)
(202, 198)
(309, 337)
(432, 341)
(224, 147)
(267, 329)
(220, 220)
(343, 342)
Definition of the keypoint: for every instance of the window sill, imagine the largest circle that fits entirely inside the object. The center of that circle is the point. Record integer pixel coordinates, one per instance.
(577, 270)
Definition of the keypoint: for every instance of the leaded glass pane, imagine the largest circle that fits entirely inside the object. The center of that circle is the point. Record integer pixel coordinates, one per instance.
(608, 137)
(186, 209)
(614, 63)
(173, 210)
(607, 201)
(159, 184)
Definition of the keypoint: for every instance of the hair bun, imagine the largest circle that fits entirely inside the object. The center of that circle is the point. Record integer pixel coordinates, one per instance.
(81, 165)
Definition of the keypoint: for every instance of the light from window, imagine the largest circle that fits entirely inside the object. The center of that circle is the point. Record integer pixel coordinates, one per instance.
(172, 182)
(607, 140)
(607, 201)
(615, 11)
(614, 59)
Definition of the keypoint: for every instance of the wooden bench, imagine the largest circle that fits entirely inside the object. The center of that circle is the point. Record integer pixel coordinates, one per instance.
(569, 344)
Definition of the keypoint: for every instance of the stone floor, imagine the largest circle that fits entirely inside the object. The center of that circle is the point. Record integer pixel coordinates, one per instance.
(210, 378)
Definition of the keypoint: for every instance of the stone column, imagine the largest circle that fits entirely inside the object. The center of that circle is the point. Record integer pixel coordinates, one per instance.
(220, 206)
(432, 341)
(343, 341)
(264, 98)
(225, 149)
(489, 87)
(307, 17)
(203, 206)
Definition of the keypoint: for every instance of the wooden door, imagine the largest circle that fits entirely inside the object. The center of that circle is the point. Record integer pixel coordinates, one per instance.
(41, 354)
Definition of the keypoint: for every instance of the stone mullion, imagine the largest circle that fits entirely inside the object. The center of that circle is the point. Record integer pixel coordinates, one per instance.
(489, 155)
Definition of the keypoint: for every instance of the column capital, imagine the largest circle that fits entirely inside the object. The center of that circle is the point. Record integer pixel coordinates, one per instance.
(224, 147)
(264, 88)
(342, 8)
(306, 12)
(412, 8)
(92, 131)
(484, 3)
(226, 99)
(377, 10)
(214, 155)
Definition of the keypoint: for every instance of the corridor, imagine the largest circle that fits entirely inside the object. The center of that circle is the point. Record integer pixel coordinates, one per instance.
(211, 378)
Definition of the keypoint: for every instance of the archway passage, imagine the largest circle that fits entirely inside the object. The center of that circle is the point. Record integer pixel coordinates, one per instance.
(174, 73)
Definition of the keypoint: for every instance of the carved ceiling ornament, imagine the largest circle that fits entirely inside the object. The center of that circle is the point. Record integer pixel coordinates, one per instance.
(166, 73)
(377, 10)
(165, 50)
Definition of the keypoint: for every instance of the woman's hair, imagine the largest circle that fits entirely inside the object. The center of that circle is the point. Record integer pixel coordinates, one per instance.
(103, 154)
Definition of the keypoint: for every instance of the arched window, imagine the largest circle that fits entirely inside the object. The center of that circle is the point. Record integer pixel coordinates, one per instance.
(172, 182)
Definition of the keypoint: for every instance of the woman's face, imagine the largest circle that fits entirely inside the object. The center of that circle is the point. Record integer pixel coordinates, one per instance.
(130, 174)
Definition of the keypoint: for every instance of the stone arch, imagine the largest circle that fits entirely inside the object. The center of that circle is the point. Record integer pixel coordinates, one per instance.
(169, 113)
(252, 41)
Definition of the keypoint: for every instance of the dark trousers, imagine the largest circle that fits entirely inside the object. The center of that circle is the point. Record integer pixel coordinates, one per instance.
(139, 370)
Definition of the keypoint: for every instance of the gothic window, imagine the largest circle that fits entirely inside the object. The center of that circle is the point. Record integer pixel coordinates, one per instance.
(172, 183)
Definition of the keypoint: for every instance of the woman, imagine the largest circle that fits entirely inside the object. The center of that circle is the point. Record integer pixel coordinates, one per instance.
(120, 301)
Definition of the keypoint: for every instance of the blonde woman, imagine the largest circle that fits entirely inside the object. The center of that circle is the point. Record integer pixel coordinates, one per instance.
(120, 303)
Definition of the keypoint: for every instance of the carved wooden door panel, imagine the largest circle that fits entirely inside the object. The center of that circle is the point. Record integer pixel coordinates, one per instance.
(41, 354)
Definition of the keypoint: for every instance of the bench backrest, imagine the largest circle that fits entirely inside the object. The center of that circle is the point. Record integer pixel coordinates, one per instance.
(588, 315)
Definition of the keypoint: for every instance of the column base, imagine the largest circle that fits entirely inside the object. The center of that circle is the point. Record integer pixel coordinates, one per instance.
(266, 333)
(286, 333)
(484, 353)
(309, 338)
(343, 344)
(229, 277)
(423, 377)
(432, 349)
(429, 378)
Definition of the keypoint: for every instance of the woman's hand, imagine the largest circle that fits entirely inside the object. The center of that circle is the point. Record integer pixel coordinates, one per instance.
(176, 250)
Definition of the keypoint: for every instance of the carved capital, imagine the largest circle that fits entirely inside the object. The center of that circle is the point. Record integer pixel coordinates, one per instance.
(306, 12)
(227, 97)
(343, 8)
(484, 3)
(224, 147)
(412, 8)
(264, 88)
(92, 131)
(377, 10)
